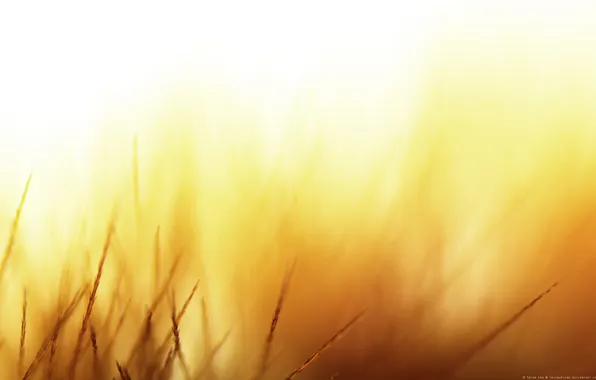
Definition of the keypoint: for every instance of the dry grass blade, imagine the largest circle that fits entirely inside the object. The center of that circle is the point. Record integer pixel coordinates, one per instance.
(116, 298)
(13, 230)
(177, 342)
(109, 315)
(166, 370)
(112, 341)
(55, 331)
(157, 300)
(145, 345)
(325, 346)
(178, 317)
(53, 348)
(23, 333)
(210, 356)
(93, 337)
(166, 285)
(207, 339)
(278, 307)
(123, 371)
(91, 300)
(65, 286)
(479, 346)
(156, 261)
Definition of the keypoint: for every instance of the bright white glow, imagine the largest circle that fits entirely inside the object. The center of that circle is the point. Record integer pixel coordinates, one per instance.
(66, 67)
(62, 62)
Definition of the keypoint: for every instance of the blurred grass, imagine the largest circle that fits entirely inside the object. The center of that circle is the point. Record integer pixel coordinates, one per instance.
(205, 246)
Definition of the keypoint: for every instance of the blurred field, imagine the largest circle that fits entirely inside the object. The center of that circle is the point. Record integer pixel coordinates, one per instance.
(437, 175)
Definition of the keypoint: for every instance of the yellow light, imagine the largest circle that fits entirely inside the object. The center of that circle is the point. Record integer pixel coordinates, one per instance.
(229, 102)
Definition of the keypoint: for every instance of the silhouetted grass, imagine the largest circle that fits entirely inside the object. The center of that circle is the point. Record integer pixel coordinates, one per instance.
(64, 351)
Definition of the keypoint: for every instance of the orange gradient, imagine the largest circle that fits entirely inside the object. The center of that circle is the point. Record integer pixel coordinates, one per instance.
(432, 164)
